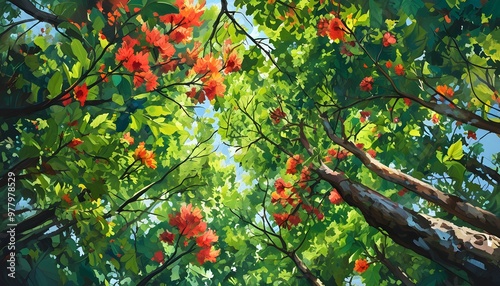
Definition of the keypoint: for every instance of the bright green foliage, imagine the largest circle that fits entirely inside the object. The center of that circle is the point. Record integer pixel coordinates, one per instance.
(412, 83)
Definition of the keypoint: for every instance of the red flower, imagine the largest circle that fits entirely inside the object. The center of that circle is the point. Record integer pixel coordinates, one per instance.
(402, 192)
(335, 197)
(158, 257)
(277, 115)
(138, 62)
(366, 84)
(124, 52)
(372, 153)
(388, 64)
(291, 164)
(67, 199)
(364, 115)
(206, 239)
(388, 39)
(399, 69)
(167, 237)
(188, 221)
(336, 29)
(80, 93)
(286, 220)
(181, 34)
(66, 99)
(207, 254)
(148, 77)
(75, 142)
(471, 134)
(151, 36)
(361, 265)
(407, 101)
(323, 27)
(214, 87)
(233, 63)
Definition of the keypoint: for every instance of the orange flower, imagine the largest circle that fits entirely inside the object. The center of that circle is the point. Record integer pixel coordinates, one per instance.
(361, 265)
(233, 63)
(335, 197)
(167, 237)
(366, 84)
(207, 254)
(336, 29)
(445, 90)
(80, 93)
(75, 142)
(435, 118)
(388, 64)
(399, 69)
(207, 64)
(147, 157)
(388, 39)
(206, 239)
(129, 139)
(291, 164)
(214, 87)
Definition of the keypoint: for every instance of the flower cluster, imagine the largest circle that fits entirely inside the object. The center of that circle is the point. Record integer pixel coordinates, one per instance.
(189, 222)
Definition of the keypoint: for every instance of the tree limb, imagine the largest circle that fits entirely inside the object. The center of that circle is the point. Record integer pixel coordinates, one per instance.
(476, 253)
(30, 9)
(452, 204)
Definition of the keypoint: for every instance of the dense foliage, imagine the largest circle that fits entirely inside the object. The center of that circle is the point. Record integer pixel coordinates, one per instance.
(256, 142)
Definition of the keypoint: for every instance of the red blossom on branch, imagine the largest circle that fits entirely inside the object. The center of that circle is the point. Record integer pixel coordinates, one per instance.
(366, 84)
(388, 39)
(361, 265)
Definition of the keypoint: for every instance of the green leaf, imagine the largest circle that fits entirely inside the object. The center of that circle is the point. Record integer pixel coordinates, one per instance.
(80, 52)
(41, 42)
(455, 151)
(118, 99)
(55, 84)
(99, 120)
(158, 110)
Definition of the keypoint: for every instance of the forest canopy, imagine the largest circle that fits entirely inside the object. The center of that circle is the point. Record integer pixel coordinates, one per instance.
(161, 142)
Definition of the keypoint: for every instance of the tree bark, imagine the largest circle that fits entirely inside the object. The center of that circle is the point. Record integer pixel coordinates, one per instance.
(31, 10)
(452, 204)
(476, 253)
(313, 280)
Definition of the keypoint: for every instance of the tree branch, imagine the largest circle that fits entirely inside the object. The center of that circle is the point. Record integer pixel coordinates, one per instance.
(40, 15)
(452, 204)
(450, 245)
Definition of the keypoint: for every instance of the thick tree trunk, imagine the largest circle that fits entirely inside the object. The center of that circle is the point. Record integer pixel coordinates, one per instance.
(452, 246)
(452, 204)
